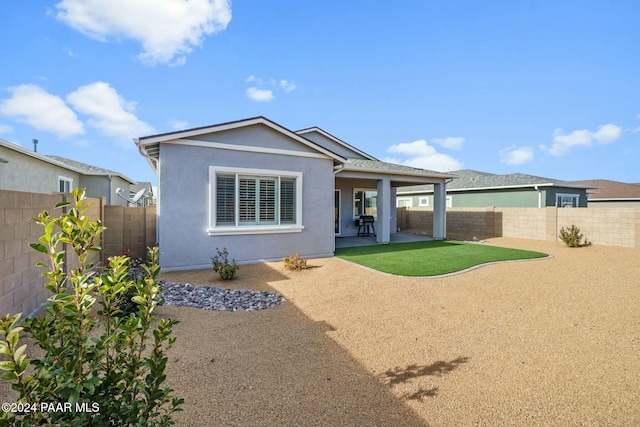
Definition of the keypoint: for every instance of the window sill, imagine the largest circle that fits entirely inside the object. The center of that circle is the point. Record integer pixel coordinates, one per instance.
(273, 229)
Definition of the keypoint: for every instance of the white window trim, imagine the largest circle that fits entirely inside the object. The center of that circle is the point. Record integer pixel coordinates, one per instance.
(404, 199)
(65, 179)
(353, 200)
(215, 229)
(571, 195)
(449, 202)
(421, 199)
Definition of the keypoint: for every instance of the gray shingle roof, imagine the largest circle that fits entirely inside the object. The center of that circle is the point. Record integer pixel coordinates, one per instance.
(468, 179)
(88, 169)
(376, 165)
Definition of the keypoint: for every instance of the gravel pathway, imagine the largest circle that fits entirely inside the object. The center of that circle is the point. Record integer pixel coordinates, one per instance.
(212, 298)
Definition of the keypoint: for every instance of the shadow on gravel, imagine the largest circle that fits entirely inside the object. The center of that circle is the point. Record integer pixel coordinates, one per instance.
(400, 375)
(271, 367)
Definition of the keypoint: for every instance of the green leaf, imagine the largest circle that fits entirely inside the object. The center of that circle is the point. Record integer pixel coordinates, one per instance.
(9, 376)
(40, 247)
(7, 365)
(19, 351)
(62, 205)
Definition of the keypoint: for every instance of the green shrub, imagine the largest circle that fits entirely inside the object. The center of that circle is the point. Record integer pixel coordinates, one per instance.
(294, 262)
(110, 367)
(124, 301)
(572, 237)
(221, 265)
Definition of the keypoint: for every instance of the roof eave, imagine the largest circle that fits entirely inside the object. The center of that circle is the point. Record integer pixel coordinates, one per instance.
(155, 140)
(350, 168)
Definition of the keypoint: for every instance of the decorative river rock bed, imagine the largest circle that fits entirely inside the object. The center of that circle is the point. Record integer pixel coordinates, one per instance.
(211, 298)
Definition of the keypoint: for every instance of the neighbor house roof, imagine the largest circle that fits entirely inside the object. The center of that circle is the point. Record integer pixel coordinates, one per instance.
(72, 165)
(471, 180)
(90, 170)
(611, 190)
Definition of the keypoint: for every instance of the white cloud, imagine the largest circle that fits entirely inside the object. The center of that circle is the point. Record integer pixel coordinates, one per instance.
(260, 95)
(167, 29)
(562, 143)
(179, 124)
(287, 85)
(36, 107)
(109, 112)
(420, 154)
(451, 142)
(5, 128)
(516, 155)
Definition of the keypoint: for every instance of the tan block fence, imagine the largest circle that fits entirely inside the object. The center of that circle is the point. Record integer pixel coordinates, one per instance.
(21, 282)
(601, 226)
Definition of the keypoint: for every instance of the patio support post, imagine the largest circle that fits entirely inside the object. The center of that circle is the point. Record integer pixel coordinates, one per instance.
(383, 232)
(439, 211)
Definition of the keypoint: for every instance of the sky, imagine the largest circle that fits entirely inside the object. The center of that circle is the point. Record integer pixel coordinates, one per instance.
(547, 88)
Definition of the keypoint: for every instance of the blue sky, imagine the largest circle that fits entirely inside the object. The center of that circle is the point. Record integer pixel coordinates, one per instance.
(549, 88)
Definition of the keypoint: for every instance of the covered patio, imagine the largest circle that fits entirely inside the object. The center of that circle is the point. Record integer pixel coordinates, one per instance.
(367, 188)
(350, 241)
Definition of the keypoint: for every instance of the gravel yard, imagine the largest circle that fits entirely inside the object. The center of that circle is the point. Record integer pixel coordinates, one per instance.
(533, 343)
(545, 342)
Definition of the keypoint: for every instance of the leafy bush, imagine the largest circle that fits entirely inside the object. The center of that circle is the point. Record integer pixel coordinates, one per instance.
(294, 262)
(572, 237)
(124, 301)
(100, 365)
(221, 265)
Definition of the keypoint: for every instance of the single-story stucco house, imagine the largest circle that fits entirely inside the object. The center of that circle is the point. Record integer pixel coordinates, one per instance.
(263, 192)
(474, 189)
(26, 170)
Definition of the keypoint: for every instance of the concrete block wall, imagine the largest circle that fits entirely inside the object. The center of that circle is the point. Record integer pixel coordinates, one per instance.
(129, 228)
(604, 226)
(21, 283)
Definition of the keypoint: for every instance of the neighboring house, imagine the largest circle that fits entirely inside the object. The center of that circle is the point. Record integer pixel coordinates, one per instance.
(481, 189)
(147, 197)
(25, 170)
(612, 194)
(264, 192)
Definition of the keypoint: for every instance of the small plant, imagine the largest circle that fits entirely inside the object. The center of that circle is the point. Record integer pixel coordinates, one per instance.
(294, 262)
(572, 237)
(221, 265)
(124, 300)
(105, 369)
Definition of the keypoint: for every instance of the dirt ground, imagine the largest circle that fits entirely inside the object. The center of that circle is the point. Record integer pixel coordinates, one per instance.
(545, 342)
(534, 343)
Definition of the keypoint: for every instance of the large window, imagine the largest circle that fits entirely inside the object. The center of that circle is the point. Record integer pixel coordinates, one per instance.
(365, 202)
(567, 200)
(246, 200)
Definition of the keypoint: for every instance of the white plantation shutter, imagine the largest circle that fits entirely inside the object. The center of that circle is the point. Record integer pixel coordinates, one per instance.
(255, 200)
(247, 201)
(225, 199)
(267, 201)
(287, 201)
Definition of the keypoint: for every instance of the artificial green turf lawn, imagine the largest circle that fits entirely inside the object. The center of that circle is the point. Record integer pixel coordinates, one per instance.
(430, 258)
